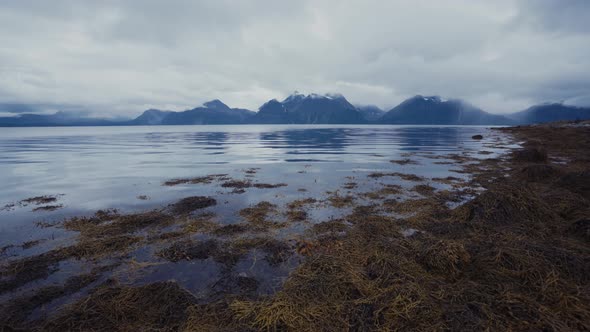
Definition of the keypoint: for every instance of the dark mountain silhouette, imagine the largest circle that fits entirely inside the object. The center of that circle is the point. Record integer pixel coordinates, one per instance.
(151, 117)
(272, 112)
(310, 109)
(438, 111)
(50, 120)
(371, 113)
(305, 109)
(550, 112)
(212, 112)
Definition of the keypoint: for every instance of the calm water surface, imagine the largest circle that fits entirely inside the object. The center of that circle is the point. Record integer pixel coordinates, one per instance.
(93, 168)
(109, 167)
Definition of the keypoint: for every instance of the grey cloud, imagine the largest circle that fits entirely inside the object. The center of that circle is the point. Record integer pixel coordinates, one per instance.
(560, 16)
(121, 57)
(17, 108)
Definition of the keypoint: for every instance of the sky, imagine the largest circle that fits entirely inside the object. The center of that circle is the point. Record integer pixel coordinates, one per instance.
(118, 58)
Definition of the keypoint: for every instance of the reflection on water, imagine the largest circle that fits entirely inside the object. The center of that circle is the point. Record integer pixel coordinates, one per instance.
(99, 167)
(96, 168)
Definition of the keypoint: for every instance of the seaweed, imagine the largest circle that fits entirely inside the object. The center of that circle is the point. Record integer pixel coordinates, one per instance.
(532, 155)
(445, 257)
(331, 226)
(48, 208)
(406, 161)
(424, 189)
(190, 204)
(338, 201)
(19, 272)
(157, 306)
(189, 250)
(201, 224)
(38, 200)
(231, 229)
(404, 176)
(14, 314)
(350, 185)
(300, 203)
(197, 180)
(243, 184)
(109, 223)
(581, 229)
(385, 191)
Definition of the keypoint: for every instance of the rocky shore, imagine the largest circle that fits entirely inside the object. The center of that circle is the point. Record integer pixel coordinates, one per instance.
(504, 246)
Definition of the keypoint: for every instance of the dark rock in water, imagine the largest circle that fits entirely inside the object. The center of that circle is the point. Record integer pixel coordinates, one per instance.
(477, 137)
(581, 228)
(190, 204)
(535, 173)
(532, 155)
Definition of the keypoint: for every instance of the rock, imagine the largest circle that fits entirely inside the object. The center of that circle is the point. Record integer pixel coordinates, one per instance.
(477, 137)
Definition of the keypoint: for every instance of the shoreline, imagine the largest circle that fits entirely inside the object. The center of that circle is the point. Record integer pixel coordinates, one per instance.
(514, 256)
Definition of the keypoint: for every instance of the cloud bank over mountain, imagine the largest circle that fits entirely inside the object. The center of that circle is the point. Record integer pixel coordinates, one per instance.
(120, 58)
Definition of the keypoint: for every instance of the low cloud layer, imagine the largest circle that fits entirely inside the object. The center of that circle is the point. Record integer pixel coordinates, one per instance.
(118, 58)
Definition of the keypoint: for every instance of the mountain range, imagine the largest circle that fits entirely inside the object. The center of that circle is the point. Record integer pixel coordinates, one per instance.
(310, 109)
(317, 109)
(212, 112)
(437, 111)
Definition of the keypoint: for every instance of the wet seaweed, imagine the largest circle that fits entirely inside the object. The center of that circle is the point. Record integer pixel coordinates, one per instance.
(18, 272)
(402, 162)
(424, 189)
(404, 176)
(157, 306)
(14, 314)
(258, 216)
(208, 179)
(48, 208)
(190, 204)
(340, 201)
(108, 223)
(244, 184)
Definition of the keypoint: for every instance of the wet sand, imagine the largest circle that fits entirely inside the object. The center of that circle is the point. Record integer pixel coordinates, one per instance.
(503, 245)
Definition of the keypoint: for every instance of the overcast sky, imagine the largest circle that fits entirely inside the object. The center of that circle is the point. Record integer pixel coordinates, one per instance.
(122, 57)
